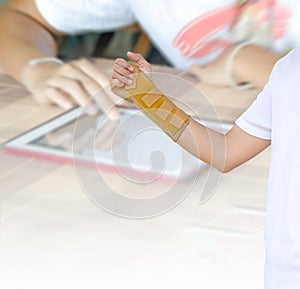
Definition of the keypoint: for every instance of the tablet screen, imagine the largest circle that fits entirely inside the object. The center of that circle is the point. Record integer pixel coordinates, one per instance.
(132, 143)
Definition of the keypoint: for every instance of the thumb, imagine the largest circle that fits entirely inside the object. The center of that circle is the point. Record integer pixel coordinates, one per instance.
(136, 57)
(143, 64)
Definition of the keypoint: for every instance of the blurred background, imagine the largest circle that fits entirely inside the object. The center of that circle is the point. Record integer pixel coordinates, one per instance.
(54, 235)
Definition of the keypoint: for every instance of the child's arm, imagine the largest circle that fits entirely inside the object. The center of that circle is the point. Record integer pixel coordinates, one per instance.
(224, 152)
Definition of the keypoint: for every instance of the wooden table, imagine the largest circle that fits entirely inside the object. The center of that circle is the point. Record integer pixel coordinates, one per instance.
(53, 236)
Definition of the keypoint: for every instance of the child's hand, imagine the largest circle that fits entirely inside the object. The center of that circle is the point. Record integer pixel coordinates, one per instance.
(123, 71)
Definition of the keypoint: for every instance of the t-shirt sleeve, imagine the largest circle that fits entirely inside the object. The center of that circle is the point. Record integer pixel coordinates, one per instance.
(78, 16)
(257, 120)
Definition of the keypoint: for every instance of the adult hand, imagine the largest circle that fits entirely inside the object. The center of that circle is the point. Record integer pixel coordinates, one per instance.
(73, 83)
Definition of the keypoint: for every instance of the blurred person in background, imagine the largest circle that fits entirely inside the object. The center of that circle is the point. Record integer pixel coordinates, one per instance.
(30, 32)
(232, 42)
(224, 42)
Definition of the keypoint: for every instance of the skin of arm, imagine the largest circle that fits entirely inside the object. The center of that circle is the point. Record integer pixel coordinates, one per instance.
(222, 151)
(252, 64)
(26, 35)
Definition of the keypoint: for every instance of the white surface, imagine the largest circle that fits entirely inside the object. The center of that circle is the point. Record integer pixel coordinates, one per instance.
(52, 236)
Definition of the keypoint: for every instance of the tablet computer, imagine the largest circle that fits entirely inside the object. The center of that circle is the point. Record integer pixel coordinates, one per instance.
(132, 144)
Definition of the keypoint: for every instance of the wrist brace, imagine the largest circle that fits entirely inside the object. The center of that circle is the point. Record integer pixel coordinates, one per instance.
(154, 104)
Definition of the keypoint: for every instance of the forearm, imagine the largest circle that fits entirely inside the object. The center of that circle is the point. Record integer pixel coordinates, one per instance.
(253, 64)
(222, 151)
(22, 39)
(206, 144)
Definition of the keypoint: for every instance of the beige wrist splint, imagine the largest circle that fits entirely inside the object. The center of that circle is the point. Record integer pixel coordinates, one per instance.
(154, 104)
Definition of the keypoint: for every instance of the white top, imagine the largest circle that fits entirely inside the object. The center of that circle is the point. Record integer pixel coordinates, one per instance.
(76, 16)
(275, 115)
(189, 31)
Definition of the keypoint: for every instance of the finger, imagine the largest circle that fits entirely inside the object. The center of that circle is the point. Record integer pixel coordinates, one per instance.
(117, 100)
(71, 71)
(106, 134)
(74, 72)
(116, 82)
(75, 90)
(107, 130)
(41, 97)
(123, 71)
(119, 91)
(58, 97)
(137, 57)
(106, 102)
(122, 62)
(121, 78)
(144, 65)
(92, 88)
(84, 141)
(92, 71)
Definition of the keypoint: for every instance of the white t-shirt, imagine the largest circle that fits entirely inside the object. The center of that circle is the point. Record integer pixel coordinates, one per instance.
(77, 16)
(275, 115)
(186, 32)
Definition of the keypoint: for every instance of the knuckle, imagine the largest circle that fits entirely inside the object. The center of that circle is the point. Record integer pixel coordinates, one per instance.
(119, 84)
(113, 83)
(66, 68)
(114, 75)
(118, 69)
